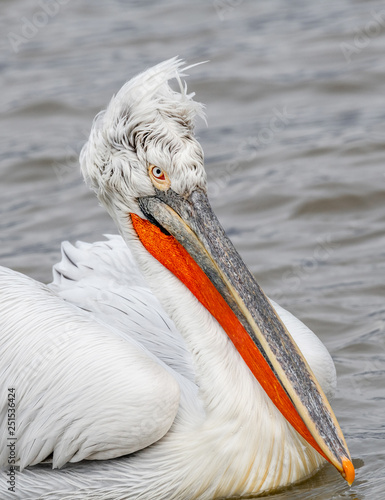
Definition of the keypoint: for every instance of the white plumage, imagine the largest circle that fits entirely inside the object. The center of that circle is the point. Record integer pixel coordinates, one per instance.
(117, 356)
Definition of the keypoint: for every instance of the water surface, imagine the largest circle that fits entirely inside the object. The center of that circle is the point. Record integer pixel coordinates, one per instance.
(294, 153)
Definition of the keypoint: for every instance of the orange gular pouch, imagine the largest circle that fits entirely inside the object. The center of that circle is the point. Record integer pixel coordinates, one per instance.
(171, 254)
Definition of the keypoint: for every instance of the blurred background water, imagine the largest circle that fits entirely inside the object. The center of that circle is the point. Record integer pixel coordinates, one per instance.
(294, 152)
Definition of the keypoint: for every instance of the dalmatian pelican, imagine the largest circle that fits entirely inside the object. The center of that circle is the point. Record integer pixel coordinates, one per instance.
(154, 366)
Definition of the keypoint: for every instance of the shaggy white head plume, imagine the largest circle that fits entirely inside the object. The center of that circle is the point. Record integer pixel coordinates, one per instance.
(145, 123)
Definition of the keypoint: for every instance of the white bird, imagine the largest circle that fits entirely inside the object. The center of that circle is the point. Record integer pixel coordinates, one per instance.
(154, 367)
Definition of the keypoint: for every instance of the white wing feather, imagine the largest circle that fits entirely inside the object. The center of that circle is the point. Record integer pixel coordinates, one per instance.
(82, 391)
(103, 279)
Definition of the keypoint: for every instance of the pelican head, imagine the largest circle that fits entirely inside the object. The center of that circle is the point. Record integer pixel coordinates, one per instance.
(146, 167)
(146, 124)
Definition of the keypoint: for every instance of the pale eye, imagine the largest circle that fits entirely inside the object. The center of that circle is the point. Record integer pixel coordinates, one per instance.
(158, 173)
(159, 177)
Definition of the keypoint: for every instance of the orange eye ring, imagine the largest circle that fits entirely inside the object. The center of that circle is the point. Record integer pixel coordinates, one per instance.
(159, 177)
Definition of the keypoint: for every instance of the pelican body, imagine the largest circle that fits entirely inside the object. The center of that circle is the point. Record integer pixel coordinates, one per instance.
(154, 366)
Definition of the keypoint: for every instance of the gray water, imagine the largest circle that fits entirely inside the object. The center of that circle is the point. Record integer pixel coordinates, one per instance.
(294, 152)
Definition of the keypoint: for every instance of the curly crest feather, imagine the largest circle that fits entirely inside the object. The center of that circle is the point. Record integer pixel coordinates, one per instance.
(147, 122)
